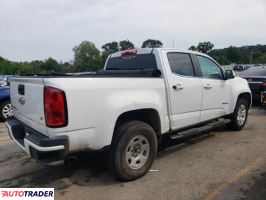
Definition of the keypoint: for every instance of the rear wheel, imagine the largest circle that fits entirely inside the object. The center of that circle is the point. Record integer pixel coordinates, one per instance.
(133, 150)
(5, 110)
(240, 115)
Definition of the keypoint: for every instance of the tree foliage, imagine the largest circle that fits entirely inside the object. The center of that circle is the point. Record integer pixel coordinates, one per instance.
(193, 48)
(34, 67)
(151, 43)
(241, 55)
(86, 56)
(125, 45)
(110, 47)
(205, 47)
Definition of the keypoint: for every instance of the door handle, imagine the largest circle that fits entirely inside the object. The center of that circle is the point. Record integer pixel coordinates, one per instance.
(207, 86)
(178, 87)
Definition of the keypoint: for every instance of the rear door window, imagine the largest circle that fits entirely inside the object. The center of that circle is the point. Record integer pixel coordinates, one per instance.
(181, 64)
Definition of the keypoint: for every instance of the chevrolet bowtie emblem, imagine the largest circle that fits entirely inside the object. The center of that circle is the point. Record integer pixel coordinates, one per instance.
(22, 101)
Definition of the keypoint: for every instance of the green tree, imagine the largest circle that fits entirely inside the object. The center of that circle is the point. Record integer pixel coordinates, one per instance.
(50, 65)
(205, 47)
(193, 48)
(125, 45)
(221, 60)
(151, 43)
(233, 54)
(110, 47)
(261, 59)
(86, 56)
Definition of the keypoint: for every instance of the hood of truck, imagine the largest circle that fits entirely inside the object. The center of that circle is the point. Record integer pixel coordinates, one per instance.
(26, 96)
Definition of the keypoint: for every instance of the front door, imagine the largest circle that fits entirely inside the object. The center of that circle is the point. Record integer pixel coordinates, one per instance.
(216, 91)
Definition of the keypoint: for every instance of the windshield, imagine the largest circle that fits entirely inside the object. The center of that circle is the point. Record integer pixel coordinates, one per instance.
(141, 61)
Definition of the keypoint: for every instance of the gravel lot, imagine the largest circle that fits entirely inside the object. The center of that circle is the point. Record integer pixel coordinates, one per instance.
(221, 165)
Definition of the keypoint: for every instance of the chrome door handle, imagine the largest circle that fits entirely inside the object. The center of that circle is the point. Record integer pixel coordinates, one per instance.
(208, 86)
(178, 87)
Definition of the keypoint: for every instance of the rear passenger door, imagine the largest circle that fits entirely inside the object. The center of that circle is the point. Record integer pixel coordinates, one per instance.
(215, 89)
(184, 88)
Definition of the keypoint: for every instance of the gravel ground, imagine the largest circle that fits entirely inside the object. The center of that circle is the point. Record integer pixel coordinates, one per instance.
(221, 165)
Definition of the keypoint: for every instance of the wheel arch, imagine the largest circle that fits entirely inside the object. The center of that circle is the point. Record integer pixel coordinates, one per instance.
(247, 97)
(4, 99)
(147, 115)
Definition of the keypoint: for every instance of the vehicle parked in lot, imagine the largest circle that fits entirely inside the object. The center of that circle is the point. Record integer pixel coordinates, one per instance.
(240, 68)
(4, 79)
(5, 106)
(263, 98)
(127, 108)
(256, 78)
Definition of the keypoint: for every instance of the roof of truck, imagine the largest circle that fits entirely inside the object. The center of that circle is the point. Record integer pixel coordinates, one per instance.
(150, 50)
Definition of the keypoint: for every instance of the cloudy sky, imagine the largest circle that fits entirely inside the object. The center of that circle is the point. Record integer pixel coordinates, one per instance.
(38, 29)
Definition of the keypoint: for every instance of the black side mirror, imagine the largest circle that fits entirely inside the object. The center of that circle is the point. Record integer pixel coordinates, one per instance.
(229, 74)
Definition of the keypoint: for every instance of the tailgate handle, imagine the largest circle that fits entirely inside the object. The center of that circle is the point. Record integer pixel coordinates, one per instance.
(21, 89)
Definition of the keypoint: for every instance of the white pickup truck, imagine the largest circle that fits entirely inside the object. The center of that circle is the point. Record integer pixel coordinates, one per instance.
(140, 96)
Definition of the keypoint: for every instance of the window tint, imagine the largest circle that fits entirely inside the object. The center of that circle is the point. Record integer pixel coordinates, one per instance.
(141, 61)
(181, 64)
(209, 69)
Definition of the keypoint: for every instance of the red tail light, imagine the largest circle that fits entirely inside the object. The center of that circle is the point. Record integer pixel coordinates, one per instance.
(55, 109)
(264, 85)
(129, 53)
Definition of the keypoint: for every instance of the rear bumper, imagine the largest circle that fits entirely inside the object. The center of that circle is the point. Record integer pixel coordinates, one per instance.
(49, 151)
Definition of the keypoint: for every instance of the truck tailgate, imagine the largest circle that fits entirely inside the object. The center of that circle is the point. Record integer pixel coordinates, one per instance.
(27, 102)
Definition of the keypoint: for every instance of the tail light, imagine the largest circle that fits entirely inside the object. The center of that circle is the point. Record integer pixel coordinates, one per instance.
(129, 53)
(55, 108)
(264, 85)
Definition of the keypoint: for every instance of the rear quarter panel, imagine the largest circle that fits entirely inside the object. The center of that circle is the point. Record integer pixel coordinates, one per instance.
(94, 105)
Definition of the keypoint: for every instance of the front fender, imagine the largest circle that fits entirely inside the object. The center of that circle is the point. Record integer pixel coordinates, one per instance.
(238, 87)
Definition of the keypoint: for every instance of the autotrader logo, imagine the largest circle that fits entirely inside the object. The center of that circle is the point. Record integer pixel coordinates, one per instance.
(27, 193)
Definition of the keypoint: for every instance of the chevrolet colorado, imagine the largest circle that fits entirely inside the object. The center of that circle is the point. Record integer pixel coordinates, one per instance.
(140, 96)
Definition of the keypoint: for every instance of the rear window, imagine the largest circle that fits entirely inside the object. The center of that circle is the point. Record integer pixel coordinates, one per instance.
(141, 61)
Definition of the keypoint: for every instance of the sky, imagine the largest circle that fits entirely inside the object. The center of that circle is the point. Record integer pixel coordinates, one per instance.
(38, 29)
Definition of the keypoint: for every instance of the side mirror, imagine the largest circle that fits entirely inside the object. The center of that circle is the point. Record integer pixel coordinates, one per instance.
(229, 74)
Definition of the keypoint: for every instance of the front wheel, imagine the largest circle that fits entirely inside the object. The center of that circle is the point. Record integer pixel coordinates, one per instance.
(5, 110)
(240, 115)
(133, 150)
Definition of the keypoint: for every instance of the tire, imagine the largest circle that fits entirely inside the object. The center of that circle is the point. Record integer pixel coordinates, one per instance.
(5, 110)
(239, 118)
(133, 150)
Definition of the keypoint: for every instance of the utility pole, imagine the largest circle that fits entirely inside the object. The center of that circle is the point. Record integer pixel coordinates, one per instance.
(173, 42)
(251, 56)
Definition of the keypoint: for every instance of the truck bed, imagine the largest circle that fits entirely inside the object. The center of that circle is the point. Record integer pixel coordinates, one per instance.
(94, 103)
